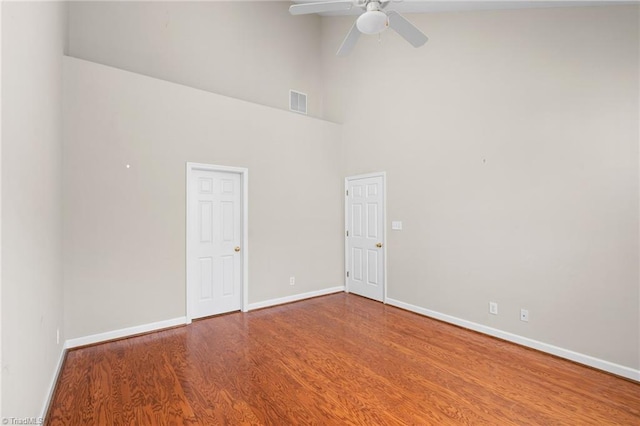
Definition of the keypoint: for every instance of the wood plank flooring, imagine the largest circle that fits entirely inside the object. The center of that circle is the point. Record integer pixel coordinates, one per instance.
(339, 359)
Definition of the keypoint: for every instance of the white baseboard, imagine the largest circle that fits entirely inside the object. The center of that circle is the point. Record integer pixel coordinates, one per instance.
(145, 328)
(54, 381)
(600, 364)
(294, 298)
(125, 332)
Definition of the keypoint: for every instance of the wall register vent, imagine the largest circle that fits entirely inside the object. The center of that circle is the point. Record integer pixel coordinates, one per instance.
(297, 102)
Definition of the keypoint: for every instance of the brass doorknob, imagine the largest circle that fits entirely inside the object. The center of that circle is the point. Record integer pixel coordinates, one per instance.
(379, 245)
(237, 249)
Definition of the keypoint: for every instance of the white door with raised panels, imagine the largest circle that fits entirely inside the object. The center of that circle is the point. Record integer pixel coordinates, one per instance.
(365, 251)
(214, 238)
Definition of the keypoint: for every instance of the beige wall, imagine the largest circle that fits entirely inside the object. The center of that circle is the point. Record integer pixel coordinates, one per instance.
(250, 50)
(511, 146)
(32, 48)
(124, 229)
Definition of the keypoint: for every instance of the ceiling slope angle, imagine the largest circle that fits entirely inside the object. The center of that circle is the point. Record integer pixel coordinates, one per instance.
(438, 6)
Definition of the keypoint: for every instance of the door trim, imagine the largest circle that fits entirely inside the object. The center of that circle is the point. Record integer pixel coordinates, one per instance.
(244, 201)
(383, 175)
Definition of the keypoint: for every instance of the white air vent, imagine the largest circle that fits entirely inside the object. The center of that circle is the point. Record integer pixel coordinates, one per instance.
(297, 102)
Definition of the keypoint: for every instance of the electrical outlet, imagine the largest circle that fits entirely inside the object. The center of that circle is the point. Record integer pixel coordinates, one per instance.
(524, 315)
(292, 280)
(493, 308)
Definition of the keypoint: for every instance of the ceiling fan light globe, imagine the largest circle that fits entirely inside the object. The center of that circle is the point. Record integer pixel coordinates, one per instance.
(372, 22)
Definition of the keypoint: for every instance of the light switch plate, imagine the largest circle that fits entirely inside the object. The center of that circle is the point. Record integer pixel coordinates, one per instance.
(396, 225)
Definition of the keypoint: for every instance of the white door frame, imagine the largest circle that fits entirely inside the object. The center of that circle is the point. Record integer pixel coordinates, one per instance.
(244, 183)
(383, 175)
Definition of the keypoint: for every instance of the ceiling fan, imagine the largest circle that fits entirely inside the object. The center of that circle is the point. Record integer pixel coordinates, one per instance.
(373, 20)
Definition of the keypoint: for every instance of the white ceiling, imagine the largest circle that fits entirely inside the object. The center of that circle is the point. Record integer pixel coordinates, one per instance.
(427, 6)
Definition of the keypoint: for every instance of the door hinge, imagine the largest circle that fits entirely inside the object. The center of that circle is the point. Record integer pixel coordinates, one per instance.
(347, 274)
(347, 233)
(347, 192)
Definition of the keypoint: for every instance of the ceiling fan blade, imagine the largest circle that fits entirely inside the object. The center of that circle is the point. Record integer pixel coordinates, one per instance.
(406, 29)
(349, 41)
(325, 6)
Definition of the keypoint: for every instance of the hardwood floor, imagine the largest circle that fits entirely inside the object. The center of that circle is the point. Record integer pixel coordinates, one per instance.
(338, 359)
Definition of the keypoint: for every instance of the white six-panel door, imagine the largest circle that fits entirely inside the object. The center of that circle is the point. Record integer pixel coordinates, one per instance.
(365, 236)
(214, 260)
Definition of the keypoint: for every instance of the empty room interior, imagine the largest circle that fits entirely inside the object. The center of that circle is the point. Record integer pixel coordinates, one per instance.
(352, 212)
